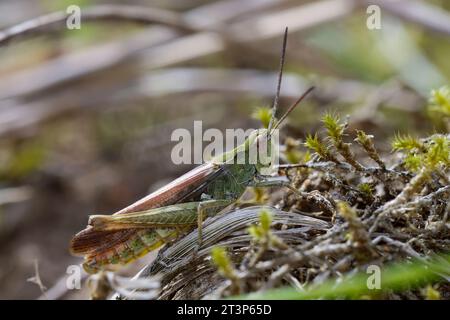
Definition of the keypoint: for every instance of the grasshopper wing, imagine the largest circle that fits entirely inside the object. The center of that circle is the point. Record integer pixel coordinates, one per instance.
(188, 186)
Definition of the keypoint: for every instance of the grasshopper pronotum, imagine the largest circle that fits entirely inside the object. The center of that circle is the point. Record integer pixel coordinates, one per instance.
(172, 210)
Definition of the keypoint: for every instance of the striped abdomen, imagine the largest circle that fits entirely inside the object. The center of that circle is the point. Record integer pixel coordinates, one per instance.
(142, 242)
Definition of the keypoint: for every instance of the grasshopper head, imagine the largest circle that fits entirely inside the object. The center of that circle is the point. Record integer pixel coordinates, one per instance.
(263, 144)
(259, 149)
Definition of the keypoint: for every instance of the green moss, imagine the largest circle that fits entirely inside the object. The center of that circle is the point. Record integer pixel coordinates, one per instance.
(413, 162)
(366, 189)
(334, 128)
(438, 152)
(261, 231)
(405, 142)
(440, 101)
(222, 261)
(314, 143)
(263, 114)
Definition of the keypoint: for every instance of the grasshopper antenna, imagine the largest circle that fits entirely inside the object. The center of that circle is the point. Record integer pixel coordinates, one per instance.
(292, 107)
(280, 75)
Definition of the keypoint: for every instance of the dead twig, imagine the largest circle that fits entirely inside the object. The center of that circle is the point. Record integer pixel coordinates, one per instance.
(57, 20)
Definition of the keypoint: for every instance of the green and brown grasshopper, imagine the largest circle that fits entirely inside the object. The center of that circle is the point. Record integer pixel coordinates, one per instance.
(175, 208)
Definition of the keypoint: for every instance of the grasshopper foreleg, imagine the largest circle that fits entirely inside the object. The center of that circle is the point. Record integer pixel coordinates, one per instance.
(267, 182)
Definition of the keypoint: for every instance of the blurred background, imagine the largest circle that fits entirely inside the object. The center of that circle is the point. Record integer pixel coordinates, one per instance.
(86, 115)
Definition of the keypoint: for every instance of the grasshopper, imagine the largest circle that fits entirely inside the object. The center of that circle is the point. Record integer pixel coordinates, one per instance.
(174, 209)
